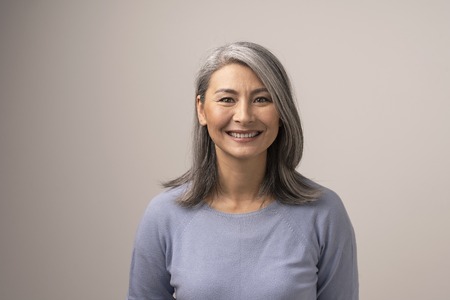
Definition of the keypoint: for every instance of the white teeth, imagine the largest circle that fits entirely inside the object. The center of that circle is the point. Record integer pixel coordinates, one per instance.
(243, 135)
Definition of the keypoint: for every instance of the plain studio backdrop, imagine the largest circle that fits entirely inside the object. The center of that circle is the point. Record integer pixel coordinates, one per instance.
(97, 103)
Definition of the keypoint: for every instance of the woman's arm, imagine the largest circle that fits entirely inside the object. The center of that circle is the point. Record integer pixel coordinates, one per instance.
(149, 278)
(338, 270)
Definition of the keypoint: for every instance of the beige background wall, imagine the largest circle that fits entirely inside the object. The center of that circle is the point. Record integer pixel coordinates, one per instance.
(97, 103)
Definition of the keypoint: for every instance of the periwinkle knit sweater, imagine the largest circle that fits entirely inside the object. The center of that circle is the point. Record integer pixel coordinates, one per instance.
(280, 252)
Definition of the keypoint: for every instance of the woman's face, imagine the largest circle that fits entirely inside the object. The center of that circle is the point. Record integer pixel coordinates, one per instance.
(239, 113)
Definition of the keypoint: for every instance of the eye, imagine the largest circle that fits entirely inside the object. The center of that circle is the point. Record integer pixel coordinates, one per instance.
(226, 100)
(262, 100)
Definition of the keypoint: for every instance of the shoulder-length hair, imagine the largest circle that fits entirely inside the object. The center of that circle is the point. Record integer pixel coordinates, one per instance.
(281, 180)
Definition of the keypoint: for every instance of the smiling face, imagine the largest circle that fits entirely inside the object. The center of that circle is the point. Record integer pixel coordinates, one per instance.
(239, 113)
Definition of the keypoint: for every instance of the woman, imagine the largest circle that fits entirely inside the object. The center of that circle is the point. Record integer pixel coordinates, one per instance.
(242, 223)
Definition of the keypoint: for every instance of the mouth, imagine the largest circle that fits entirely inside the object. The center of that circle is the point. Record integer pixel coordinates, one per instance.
(243, 135)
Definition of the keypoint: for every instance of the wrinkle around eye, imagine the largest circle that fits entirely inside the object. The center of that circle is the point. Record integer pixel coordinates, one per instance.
(226, 100)
(262, 100)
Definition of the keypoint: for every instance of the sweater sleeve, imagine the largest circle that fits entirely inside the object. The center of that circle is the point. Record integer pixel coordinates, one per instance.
(337, 267)
(149, 278)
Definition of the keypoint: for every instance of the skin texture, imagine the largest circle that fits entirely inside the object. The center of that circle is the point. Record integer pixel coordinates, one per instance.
(237, 103)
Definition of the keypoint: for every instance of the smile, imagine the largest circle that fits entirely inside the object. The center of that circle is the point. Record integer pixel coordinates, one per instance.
(241, 135)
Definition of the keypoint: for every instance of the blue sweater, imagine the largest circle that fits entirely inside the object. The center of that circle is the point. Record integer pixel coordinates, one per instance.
(279, 252)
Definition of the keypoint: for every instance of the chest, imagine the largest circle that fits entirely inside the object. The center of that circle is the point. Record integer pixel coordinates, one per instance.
(246, 258)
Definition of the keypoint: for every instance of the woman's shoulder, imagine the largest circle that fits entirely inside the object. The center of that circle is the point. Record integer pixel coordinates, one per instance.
(327, 200)
(164, 207)
(164, 217)
(327, 207)
(167, 199)
(326, 216)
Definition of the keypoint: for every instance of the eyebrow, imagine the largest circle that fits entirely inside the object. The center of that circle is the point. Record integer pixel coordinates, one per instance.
(234, 92)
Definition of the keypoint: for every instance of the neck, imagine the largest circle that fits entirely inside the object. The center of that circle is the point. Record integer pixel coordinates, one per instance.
(239, 184)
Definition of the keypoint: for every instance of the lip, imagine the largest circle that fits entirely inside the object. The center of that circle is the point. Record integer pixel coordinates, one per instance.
(243, 135)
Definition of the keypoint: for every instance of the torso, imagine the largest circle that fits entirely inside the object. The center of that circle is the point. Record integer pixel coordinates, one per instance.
(256, 255)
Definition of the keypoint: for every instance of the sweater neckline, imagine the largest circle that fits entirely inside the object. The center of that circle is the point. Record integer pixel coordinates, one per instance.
(271, 207)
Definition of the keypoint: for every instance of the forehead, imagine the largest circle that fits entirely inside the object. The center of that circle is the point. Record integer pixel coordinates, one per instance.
(235, 76)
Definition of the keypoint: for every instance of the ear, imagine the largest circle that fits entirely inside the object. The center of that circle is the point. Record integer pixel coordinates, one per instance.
(200, 111)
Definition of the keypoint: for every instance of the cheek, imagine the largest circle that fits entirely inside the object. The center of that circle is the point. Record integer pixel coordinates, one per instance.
(275, 131)
(273, 124)
(272, 119)
(217, 119)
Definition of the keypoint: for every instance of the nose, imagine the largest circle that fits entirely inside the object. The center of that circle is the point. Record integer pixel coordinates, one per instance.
(243, 113)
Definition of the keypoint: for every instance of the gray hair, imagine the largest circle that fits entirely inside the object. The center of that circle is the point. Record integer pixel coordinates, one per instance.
(281, 180)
